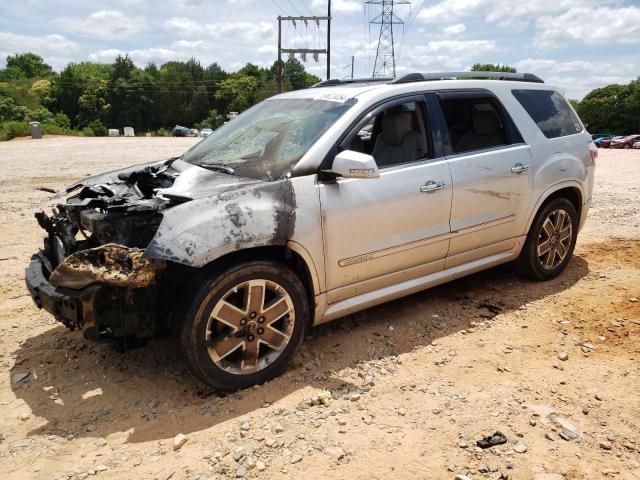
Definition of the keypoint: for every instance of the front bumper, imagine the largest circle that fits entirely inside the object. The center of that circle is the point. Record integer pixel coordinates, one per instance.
(74, 308)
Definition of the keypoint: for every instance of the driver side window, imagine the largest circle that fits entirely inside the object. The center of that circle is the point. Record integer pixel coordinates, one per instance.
(395, 135)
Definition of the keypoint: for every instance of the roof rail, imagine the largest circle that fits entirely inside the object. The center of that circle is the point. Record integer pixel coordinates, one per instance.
(514, 77)
(332, 82)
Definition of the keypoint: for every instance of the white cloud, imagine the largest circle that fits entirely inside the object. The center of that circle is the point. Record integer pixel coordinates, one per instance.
(243, 32)
(457, 48)
(55, 49)
(183, 26)
(106, 24)
(578, 77)
(605, 25)
(196, 44)
(141, 56)
(268, 49)
(453, 30)
(503, 12)
(338, 6)
(443, 55)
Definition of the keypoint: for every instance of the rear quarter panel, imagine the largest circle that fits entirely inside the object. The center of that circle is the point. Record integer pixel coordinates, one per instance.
(556, 162)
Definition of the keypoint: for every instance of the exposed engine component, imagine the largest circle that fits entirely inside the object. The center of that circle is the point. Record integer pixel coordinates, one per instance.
(111, 264)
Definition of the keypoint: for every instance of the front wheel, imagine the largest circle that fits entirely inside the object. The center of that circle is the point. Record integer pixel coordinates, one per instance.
(551, 241)
(244, 324)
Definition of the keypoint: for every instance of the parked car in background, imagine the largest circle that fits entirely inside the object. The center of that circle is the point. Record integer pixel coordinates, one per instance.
(179, 131)
(205, 132)
(603, 142)
(636, 145)
(606, 142)
(192, 132)
(624, 142)
(596, 136)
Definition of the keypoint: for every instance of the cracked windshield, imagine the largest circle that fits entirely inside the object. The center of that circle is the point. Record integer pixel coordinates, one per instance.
(267, 140)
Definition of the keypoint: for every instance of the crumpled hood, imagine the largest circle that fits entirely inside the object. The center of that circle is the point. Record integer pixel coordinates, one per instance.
(152, 186)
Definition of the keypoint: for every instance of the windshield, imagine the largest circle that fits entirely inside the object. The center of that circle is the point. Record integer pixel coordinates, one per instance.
(268, 139)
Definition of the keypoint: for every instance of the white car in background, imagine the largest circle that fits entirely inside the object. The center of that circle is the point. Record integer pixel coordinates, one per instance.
(636, 145)
(205, 132)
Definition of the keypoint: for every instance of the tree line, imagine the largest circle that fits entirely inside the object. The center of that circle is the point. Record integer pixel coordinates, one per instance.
(88, 98)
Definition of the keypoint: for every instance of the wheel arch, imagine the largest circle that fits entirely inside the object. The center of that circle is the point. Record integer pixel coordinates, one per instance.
(570, 190)
(292, 256)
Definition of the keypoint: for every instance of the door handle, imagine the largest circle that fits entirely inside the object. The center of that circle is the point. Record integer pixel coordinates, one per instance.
(431, 186)
(519, 168)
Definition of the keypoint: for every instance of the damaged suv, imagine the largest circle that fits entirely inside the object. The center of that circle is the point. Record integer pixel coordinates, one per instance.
(286, 217)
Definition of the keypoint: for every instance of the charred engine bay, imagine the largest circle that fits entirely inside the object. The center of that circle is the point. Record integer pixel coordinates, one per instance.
(120, 208)
(98, 237)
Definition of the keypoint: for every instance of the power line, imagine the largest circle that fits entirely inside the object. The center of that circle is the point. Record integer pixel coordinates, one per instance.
(279, 7)
(306, 7)
(294, 7)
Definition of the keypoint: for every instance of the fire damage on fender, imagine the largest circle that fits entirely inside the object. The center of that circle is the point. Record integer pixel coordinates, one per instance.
(119, 252)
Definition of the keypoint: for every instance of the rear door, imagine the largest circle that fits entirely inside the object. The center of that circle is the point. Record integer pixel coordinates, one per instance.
(491, 173)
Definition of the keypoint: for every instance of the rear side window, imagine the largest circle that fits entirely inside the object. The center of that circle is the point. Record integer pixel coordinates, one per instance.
(474, 122)
(550, 111)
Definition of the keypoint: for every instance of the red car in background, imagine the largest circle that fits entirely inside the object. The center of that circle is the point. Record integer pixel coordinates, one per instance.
(624, 142)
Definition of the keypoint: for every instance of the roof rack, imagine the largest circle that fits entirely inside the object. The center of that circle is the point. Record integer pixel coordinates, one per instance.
(514, 77)
(332, 82)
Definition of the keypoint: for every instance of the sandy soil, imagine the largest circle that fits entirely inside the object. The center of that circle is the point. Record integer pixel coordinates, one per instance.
(399, 391)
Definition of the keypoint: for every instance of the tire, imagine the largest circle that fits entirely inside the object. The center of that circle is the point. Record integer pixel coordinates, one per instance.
(551, 262)
(256, 341)
(627, 146)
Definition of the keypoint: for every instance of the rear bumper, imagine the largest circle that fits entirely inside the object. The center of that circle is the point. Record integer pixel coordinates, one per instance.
(73, 308)
(583, 214)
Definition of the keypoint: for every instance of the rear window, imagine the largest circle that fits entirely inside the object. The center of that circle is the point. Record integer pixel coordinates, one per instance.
(550, 111)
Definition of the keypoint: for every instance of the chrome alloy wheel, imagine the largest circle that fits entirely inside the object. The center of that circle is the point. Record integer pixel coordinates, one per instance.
(250, 326)
(554, 241)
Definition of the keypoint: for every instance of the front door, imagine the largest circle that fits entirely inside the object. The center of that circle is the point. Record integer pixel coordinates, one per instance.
(378, 232)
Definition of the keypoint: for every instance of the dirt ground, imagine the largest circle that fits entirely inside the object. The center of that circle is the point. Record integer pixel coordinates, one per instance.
(402, 391)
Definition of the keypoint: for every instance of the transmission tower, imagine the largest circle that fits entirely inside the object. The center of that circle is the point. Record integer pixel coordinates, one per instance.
(385, 64)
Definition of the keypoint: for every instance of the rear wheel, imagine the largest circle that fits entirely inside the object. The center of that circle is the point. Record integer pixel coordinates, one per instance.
(244, 324)
(551, 240)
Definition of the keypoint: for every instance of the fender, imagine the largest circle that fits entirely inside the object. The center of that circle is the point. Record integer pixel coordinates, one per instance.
(318, 286)
(202, 230)
(550, 191)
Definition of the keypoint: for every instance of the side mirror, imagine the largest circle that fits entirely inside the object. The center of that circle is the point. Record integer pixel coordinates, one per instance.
(350, 164)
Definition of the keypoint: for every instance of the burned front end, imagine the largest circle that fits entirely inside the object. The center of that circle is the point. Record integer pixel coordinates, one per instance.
(91, 273)
(119, 253)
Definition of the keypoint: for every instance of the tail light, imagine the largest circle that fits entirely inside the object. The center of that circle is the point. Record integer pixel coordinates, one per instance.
(593, 152)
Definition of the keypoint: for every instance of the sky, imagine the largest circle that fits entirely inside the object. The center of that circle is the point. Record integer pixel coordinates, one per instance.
(576, 45)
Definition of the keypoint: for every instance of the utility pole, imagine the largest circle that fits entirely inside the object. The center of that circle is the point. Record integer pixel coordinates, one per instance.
(279, 67)
(352, 60)
(385, 63)
(328, 39)
(304, 51)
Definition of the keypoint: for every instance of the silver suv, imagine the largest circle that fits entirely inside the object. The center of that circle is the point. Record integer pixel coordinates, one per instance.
(289, 216)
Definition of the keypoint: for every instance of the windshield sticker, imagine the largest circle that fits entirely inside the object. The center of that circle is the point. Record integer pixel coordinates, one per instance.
(333, 97)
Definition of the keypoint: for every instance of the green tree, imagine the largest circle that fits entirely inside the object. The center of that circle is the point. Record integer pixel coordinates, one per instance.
(492, 67)
(237, 92)
(26, 65)
(213, 121)
(614, 108)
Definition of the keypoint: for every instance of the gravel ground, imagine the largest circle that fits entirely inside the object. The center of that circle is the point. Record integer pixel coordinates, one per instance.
(403, 390)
